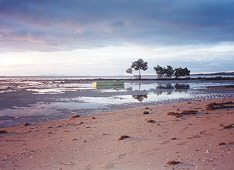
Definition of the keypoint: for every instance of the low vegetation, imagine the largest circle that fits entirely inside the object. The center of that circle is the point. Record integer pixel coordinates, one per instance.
(169, 71)
(160, 71)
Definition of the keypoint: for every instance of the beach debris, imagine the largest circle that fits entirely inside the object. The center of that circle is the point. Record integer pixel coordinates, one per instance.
(71, 163)
(93, 118)
(213, 106)
(189, 112)
(194, 136)
(207, 151)
(75, 116)
(3, 131)
(225, 143)
(202, 132)
(185, 112)
(173, 162)
(173, 138)
(151, 121)
(145, 112)
(146, 108)
(123, 137)
(188, 102)
(174, 114)
(221, 124)
(229, 126)
(80, 123)
(221, 143)
(26, 124)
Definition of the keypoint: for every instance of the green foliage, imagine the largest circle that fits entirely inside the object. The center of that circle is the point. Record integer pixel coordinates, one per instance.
(129, 70)
(181, 72)
(140, 65)
(159, 70)
(169, 71)
(137, 66)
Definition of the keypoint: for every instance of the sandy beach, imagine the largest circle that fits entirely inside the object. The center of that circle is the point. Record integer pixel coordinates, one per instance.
(116, 85)
(138, 138)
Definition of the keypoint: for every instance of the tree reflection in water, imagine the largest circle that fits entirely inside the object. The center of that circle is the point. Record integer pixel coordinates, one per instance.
(165, 88)
(182, 86)
(140, 98)
(175, 87)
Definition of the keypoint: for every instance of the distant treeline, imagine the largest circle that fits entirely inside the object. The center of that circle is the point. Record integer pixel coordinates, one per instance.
(219, 73)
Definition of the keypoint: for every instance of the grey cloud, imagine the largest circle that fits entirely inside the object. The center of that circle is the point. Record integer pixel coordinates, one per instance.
(61, 25)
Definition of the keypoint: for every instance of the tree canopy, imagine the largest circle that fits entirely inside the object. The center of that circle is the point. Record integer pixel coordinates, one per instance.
(137, 66)
(181, 72)
(169, 71)
(159, 71)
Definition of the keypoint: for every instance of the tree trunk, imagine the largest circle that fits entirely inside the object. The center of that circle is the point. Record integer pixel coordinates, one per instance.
(139, 74)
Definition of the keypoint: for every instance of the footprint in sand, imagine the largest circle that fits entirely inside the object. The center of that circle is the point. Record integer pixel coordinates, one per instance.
(165, 142)
(121, 156)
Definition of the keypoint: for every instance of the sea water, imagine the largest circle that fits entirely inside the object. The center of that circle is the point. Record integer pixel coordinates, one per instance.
(34, 99)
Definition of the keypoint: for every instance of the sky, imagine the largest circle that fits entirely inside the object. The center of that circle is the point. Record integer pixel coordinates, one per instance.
(104, 37)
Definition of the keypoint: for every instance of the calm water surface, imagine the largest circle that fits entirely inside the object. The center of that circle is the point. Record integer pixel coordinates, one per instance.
(38, 101)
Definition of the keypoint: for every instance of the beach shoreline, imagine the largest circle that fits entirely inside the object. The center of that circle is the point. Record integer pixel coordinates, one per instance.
(150, 141)
(33, 101)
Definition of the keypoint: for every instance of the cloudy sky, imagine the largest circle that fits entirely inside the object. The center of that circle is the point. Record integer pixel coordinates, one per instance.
(103, 37)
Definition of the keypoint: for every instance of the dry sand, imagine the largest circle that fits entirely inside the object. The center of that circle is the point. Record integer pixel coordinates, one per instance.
(197, 142)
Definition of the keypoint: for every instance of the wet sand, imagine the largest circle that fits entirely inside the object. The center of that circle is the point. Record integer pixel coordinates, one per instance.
(126, 139)
(36, 101)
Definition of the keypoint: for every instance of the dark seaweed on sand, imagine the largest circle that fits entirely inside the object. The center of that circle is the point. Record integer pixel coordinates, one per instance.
(173, 162)
(145, 112)
(229, 126)
(123, 137)
(213, 106)
(26, 124)
(185, 112)
(151, 121)
(3, 131)
(75, 116)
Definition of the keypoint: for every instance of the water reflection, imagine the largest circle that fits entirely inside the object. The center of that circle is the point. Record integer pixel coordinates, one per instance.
(164, 86)
(140, 98)
(49, 101)
(177, 86)
(160, 89)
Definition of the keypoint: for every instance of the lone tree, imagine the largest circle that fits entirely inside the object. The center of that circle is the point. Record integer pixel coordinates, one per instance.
(181, 72)
(137, 66)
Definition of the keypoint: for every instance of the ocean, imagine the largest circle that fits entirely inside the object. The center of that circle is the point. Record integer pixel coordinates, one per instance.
(111, 77)
(46, 98)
